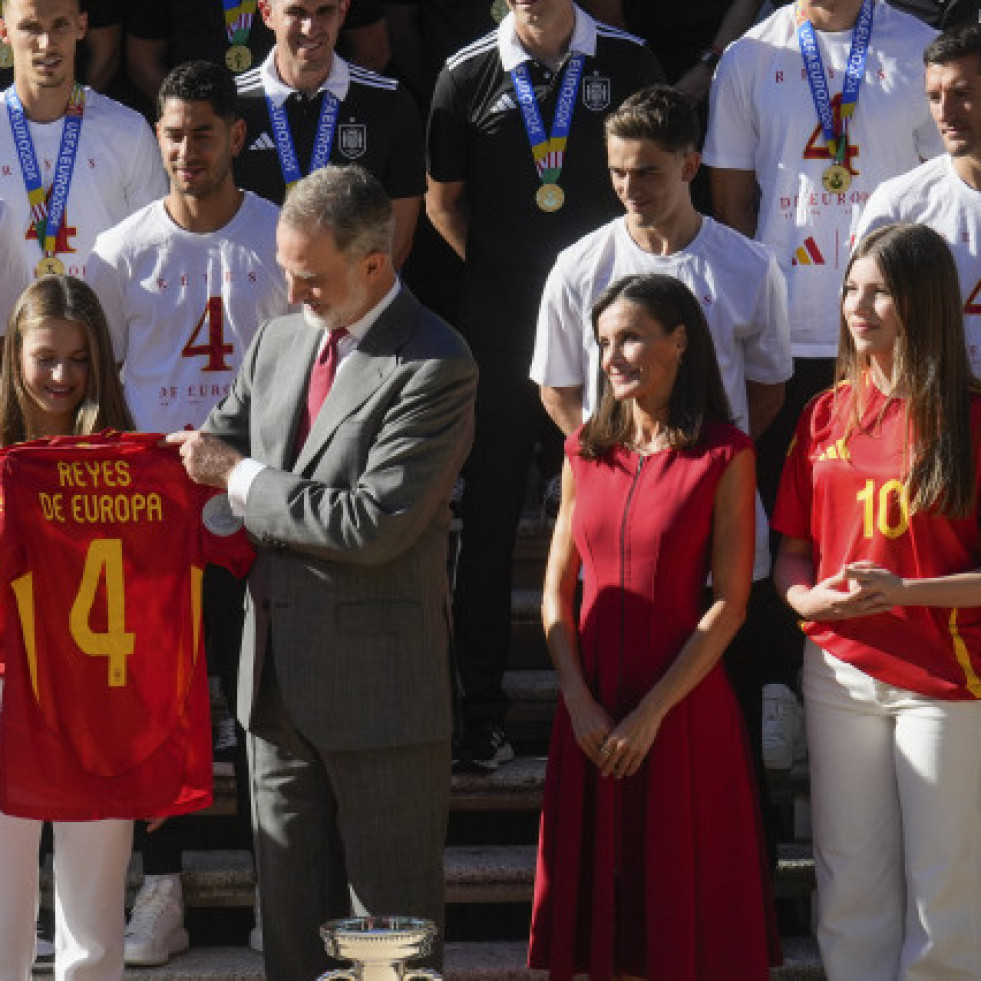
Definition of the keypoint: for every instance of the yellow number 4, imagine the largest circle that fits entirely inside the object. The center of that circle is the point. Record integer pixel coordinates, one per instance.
(104, 560)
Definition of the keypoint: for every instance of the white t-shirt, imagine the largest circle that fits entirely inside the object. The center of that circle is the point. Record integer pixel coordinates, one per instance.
(762, 119)
(933, 194)
(117, 170)
(183, 306)
(738, 283)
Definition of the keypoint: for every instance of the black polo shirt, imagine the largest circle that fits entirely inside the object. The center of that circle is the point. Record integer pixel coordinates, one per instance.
(196, 28)
(677, 32)
(477, 135)
(942, 14)
(378, 127)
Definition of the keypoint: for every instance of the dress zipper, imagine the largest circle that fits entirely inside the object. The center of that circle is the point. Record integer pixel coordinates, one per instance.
(617, 899)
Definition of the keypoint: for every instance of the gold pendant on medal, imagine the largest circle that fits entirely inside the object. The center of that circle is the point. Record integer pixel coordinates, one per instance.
(238, 58)
(550, 197)
(50, 265)
(836, 179)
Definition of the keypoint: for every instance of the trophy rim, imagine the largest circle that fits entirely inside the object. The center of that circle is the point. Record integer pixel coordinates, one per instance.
(388, 926)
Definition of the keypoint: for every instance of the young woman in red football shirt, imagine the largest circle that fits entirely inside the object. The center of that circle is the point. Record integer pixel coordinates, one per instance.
(59, 378)
(881, 559)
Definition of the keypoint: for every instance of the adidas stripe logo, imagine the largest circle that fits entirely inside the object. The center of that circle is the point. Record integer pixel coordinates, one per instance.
(263, 142)
(504, 104)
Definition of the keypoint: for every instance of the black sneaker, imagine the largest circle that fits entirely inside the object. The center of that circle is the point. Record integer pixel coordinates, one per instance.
(483, 749)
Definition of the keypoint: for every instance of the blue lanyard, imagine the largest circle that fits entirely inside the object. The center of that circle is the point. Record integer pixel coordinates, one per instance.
(854, 73)
(324, 141)
(548, 151)
(47, 217)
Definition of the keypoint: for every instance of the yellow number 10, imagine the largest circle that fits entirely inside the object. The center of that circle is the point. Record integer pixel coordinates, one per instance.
(867, 497)
(103, 561)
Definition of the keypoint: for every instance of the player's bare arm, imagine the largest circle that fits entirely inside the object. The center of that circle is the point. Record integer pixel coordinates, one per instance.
(735, 196)
(764, 404)
(447, 209)
(563, 405)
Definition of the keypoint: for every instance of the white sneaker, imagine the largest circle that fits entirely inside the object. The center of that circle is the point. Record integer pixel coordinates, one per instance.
(783, 728)
(156, 925)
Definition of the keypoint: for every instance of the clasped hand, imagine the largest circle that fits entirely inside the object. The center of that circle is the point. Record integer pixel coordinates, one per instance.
(616, 749)
(858, 589)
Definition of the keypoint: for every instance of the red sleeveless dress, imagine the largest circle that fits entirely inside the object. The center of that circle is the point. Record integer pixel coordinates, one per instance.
(663, 874)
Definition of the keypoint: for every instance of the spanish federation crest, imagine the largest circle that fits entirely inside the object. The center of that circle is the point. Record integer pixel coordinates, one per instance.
(353, 139)
(596, 92)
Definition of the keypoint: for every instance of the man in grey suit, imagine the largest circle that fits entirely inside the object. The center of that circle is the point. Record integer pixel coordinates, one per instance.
(344, 679)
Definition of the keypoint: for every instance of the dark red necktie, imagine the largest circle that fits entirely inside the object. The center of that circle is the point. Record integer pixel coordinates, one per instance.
(321, 379)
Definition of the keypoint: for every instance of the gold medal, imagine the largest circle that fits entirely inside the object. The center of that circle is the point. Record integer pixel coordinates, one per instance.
(499, 10)
(50, 265)
(6, 56)
(238, 58)
(550, 197)
(836, 178)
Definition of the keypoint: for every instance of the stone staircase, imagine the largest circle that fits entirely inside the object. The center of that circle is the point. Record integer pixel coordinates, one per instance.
(490, 857)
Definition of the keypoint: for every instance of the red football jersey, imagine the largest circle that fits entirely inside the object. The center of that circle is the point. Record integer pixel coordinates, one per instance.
(105, 708)
(847, 497)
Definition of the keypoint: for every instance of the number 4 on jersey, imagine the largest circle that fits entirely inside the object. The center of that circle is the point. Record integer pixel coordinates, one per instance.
(103, 564)
(215, 349)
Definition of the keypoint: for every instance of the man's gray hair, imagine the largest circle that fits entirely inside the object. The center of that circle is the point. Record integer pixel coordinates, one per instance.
(349, 203)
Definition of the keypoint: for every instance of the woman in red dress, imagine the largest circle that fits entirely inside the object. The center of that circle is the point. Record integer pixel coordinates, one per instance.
(650, 861)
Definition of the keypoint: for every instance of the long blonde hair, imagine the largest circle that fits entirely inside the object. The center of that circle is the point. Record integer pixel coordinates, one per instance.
(931, 364)
(61, 298)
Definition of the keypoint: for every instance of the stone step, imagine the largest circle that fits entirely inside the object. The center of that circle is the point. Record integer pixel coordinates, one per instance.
(474, 875)
(517, 786)
(505, 961)
(530, 553)
(493, 961)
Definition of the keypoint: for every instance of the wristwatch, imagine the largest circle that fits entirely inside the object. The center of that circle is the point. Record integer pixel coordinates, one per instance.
(710, 58)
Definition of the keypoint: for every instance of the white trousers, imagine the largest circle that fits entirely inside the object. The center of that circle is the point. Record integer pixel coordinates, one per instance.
(896, 802)
(90, 862)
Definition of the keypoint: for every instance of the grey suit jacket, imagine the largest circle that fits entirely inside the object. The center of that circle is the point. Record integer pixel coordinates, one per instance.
(350, 581)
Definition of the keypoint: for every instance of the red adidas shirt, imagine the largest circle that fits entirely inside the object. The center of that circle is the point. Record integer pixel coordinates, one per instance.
(848, 499)
(105, 708)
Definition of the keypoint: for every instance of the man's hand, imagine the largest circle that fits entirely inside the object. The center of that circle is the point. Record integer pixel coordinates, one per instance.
(206, 458)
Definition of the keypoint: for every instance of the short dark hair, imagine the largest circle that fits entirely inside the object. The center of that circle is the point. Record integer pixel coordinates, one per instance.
(658, 113)
(958, 42)
(201, 81)
(698, 396)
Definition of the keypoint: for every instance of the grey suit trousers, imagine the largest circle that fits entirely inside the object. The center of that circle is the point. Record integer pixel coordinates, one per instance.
(340, 834)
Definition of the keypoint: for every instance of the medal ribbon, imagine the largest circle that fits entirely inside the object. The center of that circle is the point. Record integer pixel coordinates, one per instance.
(836, 140)
(47, 218)
(548, 151)
(239, 15)
(322, 144)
